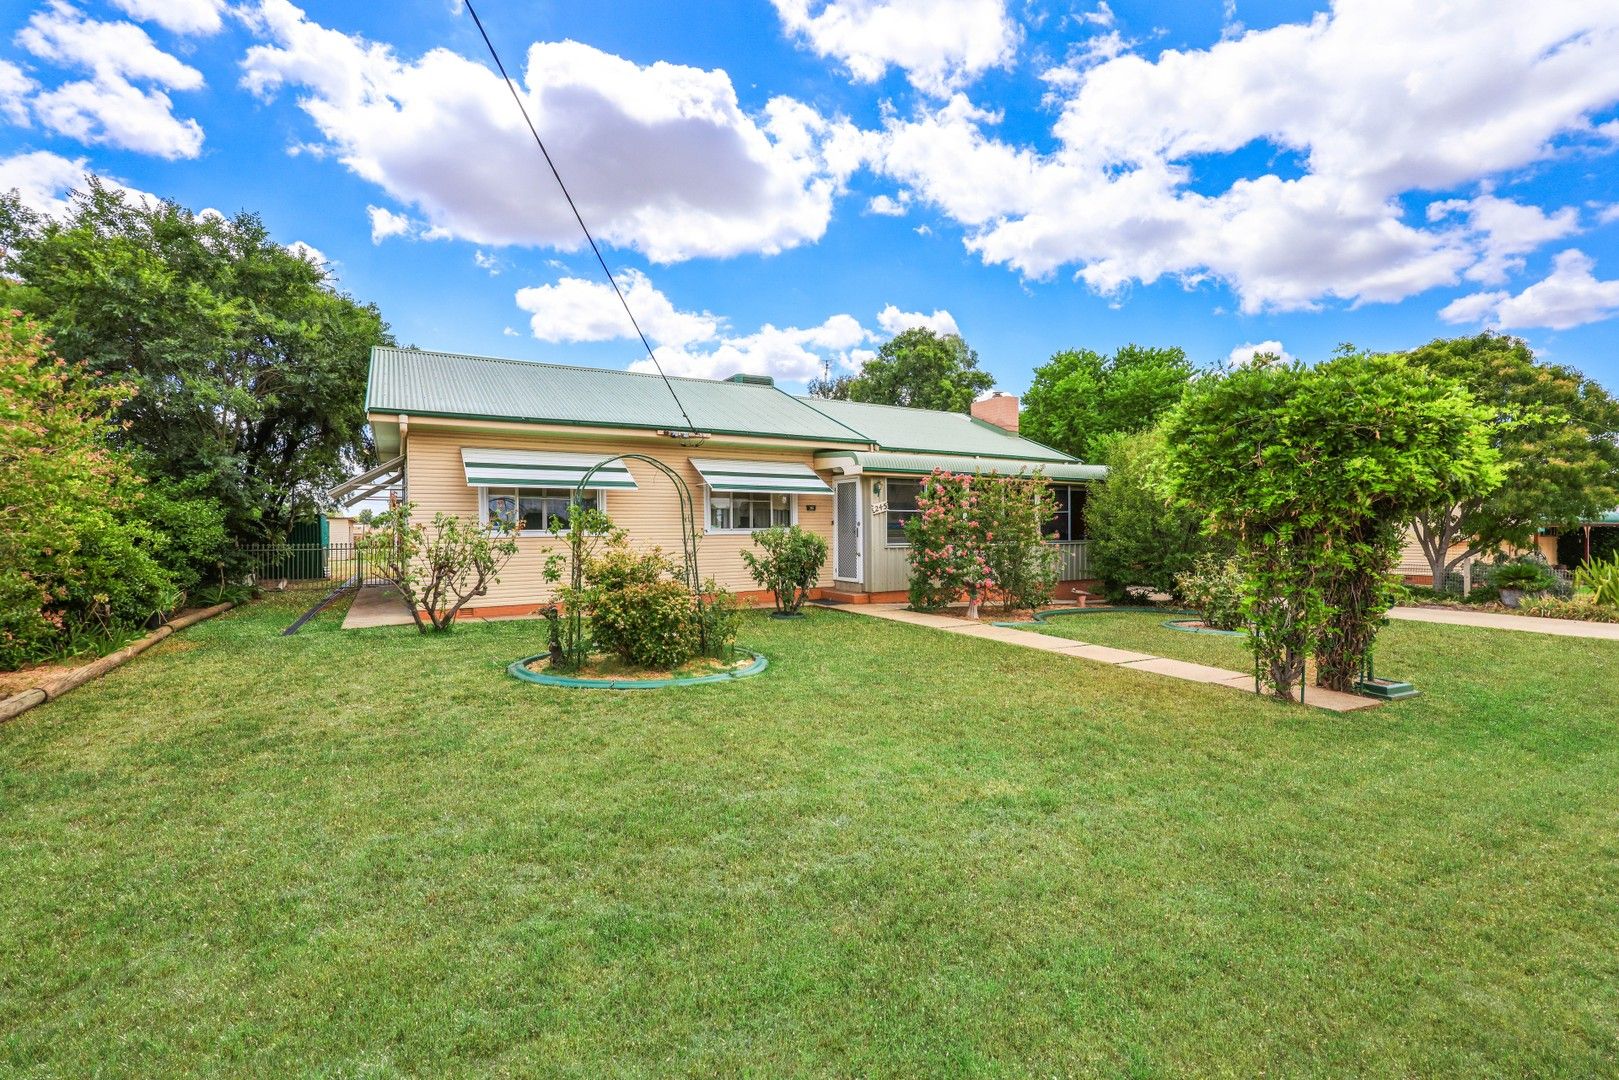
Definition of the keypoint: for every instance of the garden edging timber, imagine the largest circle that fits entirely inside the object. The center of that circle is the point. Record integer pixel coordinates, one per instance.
(53, 688)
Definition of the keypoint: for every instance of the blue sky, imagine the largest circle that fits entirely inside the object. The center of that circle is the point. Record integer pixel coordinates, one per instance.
(785, 184)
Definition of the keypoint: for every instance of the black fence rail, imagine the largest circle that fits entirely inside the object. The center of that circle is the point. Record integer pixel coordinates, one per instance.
(337, 563)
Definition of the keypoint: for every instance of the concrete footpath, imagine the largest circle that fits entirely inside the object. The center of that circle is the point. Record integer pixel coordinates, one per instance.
(1494, 620)
(1102, 654)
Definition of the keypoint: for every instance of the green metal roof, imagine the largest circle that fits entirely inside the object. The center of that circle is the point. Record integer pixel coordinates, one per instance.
(903, 430)
(879, 461)
(1609, 518)
(424, 383)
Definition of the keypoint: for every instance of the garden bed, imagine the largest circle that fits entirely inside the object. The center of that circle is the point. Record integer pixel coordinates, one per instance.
(608, 672)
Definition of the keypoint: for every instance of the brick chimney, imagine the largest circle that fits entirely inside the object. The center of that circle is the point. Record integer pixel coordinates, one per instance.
(998, 409)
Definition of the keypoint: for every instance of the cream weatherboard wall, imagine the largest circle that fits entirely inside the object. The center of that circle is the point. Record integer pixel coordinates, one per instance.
(435, 480)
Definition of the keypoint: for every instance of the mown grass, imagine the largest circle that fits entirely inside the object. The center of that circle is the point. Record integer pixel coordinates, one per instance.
(898, 852)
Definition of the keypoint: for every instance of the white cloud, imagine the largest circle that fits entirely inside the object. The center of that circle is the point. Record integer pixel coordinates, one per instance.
(117, 114)
(1373, 101)
(180, 16)
(1506, 231)
(888, 205)
(62, 34)
(1569, 296)
(43, 181)
(1244, 354)
(575, 309)
(108, 107)
(940, 44)
(510, 332)
(486, 262)
(1608, 214)
(311, 254)
(894, 321)
(386, 223)
(661, 158)
(692, 343)
(14, 89)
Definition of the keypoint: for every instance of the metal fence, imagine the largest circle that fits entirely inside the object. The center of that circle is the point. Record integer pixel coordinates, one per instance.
(337, 563)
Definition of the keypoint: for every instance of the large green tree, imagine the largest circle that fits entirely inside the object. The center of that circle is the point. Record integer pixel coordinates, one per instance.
(1314, 472)
(915, 367)
(248, 367)
(1557, 433)
(1080, 397)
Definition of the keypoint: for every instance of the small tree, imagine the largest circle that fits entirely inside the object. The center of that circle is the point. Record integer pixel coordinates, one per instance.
(1080, 397)
(790, 566)
(439, 567)
(918, 368)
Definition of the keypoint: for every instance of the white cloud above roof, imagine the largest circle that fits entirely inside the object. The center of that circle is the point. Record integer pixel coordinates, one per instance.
(1369, 104)
(1244, 354)
(696, 343)
(661, 157)
(1571, 295)
(941, 45)
(894, 321)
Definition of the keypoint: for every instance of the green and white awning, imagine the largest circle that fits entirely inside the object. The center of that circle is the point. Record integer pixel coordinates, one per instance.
(541, 469)
(776, 477)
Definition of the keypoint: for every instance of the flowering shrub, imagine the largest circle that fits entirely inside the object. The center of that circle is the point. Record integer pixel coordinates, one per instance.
(1214, 588)
(975, 534)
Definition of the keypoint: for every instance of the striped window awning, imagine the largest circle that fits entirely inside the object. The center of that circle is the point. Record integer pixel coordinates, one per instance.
(783, 477)
(541, 469)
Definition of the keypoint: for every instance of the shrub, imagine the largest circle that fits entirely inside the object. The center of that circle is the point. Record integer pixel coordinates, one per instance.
(1214, 588)
(640, 609)
(76, 557)
(1601, 578)
(720, 619)
(1140, 537)
(1525, 575)
(790, 566)
(1013, 512)
(1579, 607)
(437, 568)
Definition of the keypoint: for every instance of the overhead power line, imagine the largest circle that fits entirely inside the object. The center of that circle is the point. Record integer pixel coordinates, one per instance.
(518, 98)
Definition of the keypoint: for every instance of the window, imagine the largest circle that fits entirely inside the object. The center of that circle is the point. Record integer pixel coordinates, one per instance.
(530, 510)
(747, 511)
(1067, 525)
(901, 507)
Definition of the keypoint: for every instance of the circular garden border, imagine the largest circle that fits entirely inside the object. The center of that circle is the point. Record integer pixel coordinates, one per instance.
(518, 669)
(1185, 626)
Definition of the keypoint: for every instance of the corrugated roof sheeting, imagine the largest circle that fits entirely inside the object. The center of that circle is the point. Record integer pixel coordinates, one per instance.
(900, 429)
(451, 384)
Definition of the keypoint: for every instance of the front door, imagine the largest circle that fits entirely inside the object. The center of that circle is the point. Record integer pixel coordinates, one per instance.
(846, 554)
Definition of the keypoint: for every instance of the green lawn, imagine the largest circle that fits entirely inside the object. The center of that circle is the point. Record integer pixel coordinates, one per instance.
(898, 852)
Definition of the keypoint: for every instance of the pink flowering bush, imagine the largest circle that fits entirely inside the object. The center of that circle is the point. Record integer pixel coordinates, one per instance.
(977, 535)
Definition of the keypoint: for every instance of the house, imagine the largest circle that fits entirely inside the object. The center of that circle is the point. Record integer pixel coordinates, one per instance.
(484, 438)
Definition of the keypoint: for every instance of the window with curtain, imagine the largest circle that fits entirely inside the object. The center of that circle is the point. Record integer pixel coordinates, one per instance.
(747, 511)
(530, 510)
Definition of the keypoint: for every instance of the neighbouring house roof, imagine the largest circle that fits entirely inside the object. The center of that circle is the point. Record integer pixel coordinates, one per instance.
(1609, 518)
(878, 461)
(423, 383)
(902, 430)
